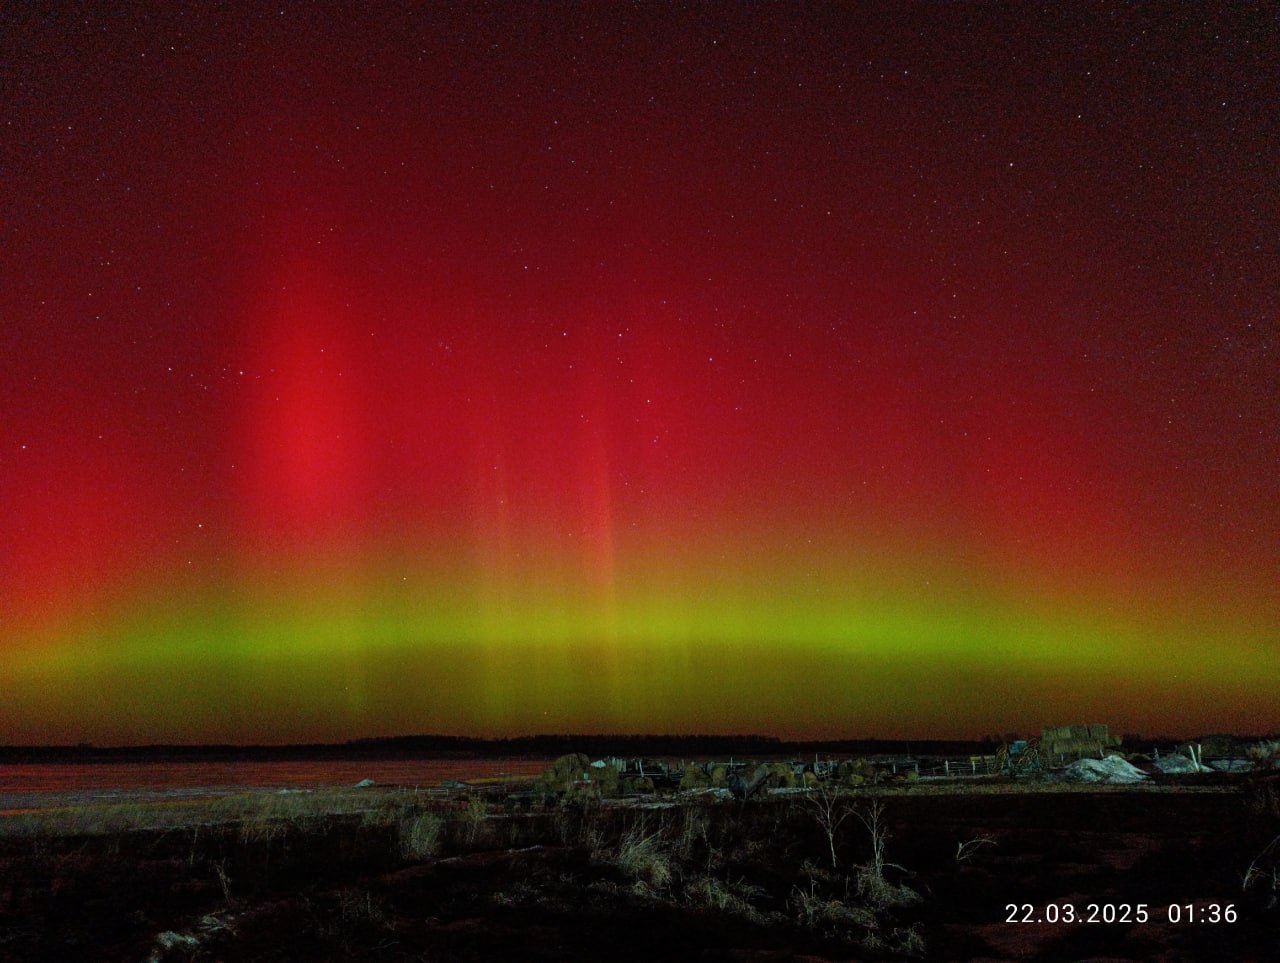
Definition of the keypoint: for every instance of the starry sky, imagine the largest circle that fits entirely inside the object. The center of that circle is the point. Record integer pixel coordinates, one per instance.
(863, 369)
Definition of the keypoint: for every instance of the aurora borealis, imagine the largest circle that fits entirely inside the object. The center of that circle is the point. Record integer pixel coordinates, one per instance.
(859, 369)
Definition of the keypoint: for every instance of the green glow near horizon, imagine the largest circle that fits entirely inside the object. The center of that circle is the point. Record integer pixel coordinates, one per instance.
(659, 656)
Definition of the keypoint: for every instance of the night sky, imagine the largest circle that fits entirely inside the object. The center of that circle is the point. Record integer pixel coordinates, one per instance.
(823, 370)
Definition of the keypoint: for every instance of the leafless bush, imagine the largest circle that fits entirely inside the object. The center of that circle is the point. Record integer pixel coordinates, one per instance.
(830, 807)
(870, 879)
(872, 817)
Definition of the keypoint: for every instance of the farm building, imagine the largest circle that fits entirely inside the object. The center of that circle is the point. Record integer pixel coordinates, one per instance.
(1060, 745)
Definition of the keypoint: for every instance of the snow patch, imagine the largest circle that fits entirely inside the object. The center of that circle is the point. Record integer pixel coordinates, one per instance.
(169, 941)
(1112, 769)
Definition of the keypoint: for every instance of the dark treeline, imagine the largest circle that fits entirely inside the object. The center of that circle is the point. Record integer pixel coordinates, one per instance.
(444, 747)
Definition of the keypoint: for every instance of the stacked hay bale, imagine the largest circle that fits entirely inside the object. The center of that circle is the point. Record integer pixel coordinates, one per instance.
(1215, 747)
(1065, 744)
(576, 774)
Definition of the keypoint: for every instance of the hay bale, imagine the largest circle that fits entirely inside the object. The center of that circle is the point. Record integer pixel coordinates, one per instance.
(695, 777)
(1072, 748)
(637, 784)
(566, 771)
(1077, 741)
(606, 779)
(1217, 747)
(782, 776)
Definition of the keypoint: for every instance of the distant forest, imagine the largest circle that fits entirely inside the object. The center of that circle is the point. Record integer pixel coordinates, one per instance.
(544, 746)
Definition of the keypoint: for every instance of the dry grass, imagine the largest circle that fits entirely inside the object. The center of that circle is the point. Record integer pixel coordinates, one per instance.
(873, 887)
(1264, 871)
(897, 942)
(723, 897)
(644, 857)
(474, 817)
(695, 829)
(819, 912)
(100, 819)
(965, 849)
(421, 835)
(359, 905)
(260, 815)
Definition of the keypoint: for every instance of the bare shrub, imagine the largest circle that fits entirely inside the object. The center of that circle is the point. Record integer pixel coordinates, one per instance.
(828, 805)
(872, 817)
(870, 879)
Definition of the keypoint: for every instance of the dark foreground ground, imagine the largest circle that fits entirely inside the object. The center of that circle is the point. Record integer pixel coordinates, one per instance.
(397, 879)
